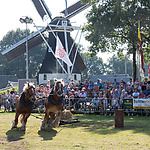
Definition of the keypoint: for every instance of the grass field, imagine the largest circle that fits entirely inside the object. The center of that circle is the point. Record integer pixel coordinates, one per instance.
(93, 132)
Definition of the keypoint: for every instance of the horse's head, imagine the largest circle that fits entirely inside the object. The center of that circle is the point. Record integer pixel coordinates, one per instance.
(29, 90)
(58, 87)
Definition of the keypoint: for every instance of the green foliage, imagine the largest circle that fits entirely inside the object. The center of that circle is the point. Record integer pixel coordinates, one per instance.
(94, 65)
(17, 66)
(117, 65)
(113, 23)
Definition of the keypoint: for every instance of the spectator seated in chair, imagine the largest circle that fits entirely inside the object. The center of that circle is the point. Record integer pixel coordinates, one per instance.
(114, 103)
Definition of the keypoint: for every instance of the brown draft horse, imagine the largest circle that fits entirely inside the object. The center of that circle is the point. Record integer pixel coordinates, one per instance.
(53, 106)
(24, 105)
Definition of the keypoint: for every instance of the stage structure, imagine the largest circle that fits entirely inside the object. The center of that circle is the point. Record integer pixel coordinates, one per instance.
(59, 27)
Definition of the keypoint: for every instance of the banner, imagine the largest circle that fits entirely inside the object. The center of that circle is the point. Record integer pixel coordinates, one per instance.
(141, 103)
(61, 53)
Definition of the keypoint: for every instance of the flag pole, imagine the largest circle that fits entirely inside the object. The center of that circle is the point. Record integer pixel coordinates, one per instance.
(66, 45)
(126, 68)
(139, 62)
(140, 49)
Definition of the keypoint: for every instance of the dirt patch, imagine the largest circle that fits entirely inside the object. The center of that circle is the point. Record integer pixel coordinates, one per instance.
(3, 140)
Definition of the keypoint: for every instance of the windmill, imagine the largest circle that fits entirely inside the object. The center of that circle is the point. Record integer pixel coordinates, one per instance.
(59, 26)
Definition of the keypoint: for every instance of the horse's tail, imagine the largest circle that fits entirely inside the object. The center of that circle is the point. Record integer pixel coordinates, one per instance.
(21, 118)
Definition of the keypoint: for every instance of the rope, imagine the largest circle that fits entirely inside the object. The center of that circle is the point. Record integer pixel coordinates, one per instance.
(37, 117)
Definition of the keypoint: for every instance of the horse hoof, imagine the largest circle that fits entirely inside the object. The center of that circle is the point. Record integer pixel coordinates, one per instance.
(14, 127)
(50, 126)
(22, 129)
(13, 124)
(42, 128)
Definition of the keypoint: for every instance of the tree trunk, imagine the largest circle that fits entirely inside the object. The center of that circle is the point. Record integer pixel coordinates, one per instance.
(134, 63)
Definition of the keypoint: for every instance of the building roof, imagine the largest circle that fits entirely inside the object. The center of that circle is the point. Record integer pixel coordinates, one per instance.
(110, 77)
(4, 80)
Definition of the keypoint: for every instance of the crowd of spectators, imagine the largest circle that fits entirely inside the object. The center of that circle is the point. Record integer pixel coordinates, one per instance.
(8, 100)
(82, 95)
(103, 94)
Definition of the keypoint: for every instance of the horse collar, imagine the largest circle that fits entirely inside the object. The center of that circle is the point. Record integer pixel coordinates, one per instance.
(53, 101)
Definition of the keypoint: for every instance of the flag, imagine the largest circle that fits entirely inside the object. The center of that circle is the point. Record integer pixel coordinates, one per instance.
(148, 68)
(141, 50)
(61, 53)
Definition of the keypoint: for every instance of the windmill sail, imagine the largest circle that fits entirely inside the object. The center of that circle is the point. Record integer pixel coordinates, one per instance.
(42, 8)
(19, 48)
(79, 61)
(75, 9)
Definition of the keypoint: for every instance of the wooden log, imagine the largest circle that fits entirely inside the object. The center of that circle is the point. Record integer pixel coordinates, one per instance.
(119, 118)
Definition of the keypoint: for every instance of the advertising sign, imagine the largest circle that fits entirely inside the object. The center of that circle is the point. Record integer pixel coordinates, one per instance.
(141, 103)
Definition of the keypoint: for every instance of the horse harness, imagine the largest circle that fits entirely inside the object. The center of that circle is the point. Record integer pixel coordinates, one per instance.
(23, 103)
(53, 101)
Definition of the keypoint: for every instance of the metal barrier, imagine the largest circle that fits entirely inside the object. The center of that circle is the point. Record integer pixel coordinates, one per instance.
(101, 106)
(88, 105)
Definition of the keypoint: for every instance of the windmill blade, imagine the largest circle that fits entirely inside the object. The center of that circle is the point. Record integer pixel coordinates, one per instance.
(75, 9)
(79, 61)
(19, 48)
(42, 8)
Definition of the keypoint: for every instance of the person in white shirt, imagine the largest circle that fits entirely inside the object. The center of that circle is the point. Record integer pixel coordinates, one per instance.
(130, 83)
(136, 94)
(96, 102)
(83, 98)
(114, 102)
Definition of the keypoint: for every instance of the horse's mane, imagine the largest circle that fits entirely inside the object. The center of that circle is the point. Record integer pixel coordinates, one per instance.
(59, 80)
(26, 85)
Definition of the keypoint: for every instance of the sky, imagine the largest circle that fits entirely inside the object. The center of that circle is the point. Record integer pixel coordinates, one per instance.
(12, 10)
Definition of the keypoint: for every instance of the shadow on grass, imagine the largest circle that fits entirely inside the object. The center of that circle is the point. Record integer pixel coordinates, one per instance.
(14, 135)
(106, 124)
(47, 134)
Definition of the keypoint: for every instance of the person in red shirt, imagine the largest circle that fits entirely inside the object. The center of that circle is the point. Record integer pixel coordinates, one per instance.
(96, 88)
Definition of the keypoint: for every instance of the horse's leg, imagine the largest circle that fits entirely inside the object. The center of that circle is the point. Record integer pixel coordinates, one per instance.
(55, 123)
(15, 122)
(51, 119)
(45, 121)
(23, 126)
(24, 121)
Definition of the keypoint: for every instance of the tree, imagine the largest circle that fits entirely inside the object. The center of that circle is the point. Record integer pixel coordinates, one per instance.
(95, 65)
(117, 65)
(113, 23)
(17, 66)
